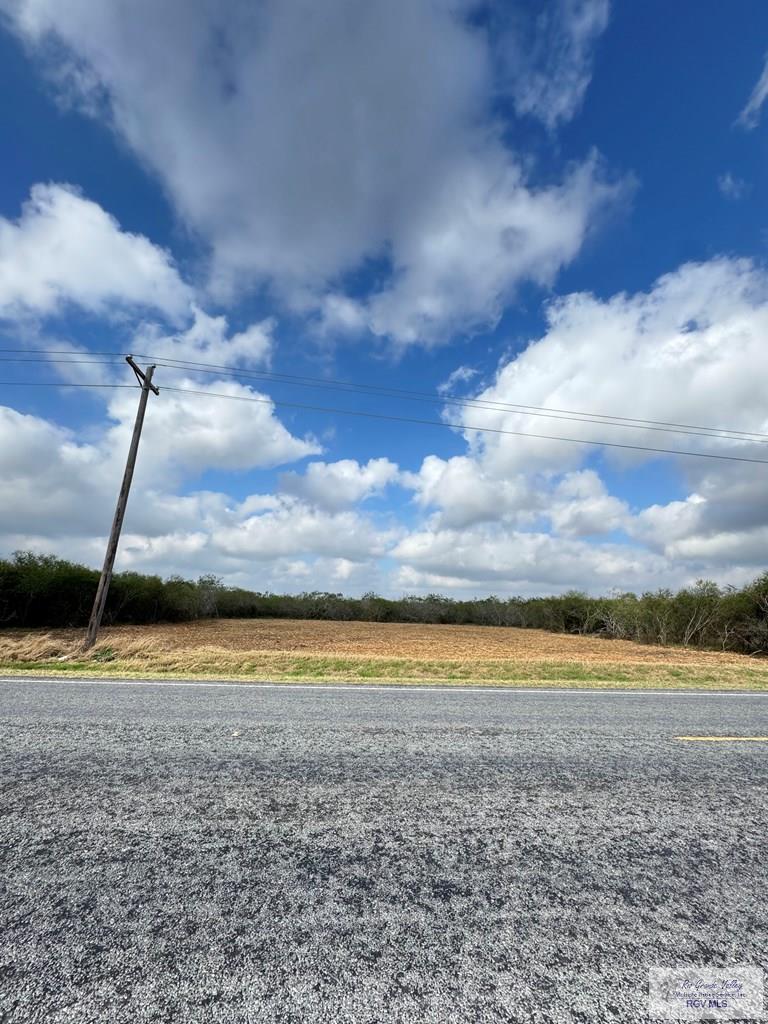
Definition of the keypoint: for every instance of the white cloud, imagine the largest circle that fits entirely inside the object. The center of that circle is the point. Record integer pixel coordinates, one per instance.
(66, 249)
(698, 333)
(732, 187)
(692, 350)
(465, 495)
(658, 525)
(749, 117)
(291, 527)
(65, 504)
(461, 375)
(187, 434)
(208, 340)
(286, 173)
(728, 549)
(52, 482)
(719, 526)
(371, 153)
(456, 264)
(341, 315)
(492, 556)
(510, 514)
(336, 485)
(48, 481)
(184, 434)
(547, 56)
(710, 536)
(581, 506)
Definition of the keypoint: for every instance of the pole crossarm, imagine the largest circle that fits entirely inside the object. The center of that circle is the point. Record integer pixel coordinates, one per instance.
(141, 376)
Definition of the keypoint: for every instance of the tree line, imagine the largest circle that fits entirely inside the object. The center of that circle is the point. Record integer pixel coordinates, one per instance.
(45, 591)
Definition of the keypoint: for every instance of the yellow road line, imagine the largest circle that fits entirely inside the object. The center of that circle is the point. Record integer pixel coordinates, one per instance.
(724, 739)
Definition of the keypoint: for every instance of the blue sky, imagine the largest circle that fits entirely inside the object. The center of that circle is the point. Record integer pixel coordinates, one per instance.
(560, 206)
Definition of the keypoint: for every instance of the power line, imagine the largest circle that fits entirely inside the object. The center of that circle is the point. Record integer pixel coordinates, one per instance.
(63, 362)
(59, 384)
(539, 412)
(60, 352)
(490, 404)
(567, 415)
(465, 426)
(408, 419)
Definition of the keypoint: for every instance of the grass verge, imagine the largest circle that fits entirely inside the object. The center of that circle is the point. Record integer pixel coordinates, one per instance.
(287, 667)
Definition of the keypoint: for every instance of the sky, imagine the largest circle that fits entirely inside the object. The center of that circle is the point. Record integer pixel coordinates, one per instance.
(459, 232)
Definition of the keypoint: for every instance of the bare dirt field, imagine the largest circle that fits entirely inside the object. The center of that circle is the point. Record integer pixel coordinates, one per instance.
(409, 640)
(367, 651)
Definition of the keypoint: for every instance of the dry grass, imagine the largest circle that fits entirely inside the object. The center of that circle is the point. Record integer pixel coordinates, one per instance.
(376, 652)
(367, 639)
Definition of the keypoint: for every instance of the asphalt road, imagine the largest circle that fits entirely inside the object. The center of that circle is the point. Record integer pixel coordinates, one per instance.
(276, 854)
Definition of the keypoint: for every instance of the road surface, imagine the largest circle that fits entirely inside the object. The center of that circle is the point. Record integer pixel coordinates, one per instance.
(248, 853)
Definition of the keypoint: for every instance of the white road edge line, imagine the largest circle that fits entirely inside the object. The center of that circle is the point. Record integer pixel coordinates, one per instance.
(364, 687)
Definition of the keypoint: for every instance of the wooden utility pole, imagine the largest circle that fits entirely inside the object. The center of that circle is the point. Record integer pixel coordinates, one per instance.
(145, 379)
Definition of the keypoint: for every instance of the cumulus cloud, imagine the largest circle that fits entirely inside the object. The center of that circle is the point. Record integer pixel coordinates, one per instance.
(719, 527)
(491, 556)
(336, 485)
(285, 173)
(188, 433)
(49, 481)
(510, 514)
(66, 504)
(208, 340)
(749, 117)
(54, 483)
(698, 332)
(65, 248)
(512, 511)
(371, 153)
(457, 264)
(287, 526)
(581, 506)
(464, 494)
(691, 349)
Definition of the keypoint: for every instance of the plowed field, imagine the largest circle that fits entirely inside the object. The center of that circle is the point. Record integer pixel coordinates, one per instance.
(348, 651)
(399, 640)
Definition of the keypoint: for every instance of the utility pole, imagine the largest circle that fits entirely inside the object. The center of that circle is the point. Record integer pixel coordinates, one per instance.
(145, 379)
